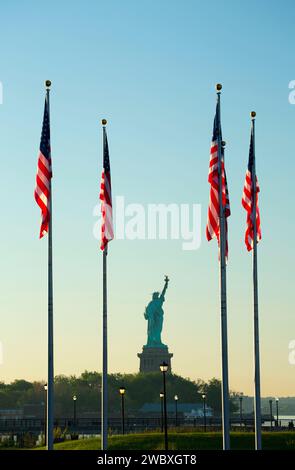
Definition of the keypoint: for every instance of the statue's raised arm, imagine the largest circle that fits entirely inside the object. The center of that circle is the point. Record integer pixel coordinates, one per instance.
(165, 287)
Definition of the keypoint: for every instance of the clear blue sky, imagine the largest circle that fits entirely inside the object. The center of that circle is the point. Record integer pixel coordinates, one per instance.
(150, 69)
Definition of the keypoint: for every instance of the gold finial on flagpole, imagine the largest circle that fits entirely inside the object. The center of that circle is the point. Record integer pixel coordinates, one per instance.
(48, 84)
(253, 114)
(218, 87)
(104, 122)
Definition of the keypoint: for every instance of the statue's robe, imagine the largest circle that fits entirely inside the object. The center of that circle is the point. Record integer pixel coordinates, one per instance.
(154, 314)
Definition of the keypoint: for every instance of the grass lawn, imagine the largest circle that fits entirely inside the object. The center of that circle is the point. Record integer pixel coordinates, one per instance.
(184, 441)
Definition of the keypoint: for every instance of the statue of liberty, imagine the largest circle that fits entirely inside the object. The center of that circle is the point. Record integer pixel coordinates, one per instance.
(154, 314)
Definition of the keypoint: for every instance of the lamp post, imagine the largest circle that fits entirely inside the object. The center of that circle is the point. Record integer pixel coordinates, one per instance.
(176, 410)
(162, 411)
(277, 406)
(270, 412)
(45, 415)
(75, 410)
(164, 368)
(122, 391)
(204, 410)
(241, 410)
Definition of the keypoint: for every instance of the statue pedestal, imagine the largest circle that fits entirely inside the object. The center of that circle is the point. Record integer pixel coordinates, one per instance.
(151, 358)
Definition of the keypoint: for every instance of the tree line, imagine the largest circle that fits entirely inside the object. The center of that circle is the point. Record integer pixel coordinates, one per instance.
(140, 389)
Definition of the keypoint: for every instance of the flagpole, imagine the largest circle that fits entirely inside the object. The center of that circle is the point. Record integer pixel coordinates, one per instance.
(223, 299)
(50, 379)
(257, 404)
(104, 397)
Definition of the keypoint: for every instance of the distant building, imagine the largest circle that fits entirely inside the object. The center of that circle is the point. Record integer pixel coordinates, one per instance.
(11, 414)
(33, 411)
(188, 410)
(28, 411)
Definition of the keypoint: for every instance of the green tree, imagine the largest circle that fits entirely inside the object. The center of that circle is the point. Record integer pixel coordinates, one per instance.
(140, 389)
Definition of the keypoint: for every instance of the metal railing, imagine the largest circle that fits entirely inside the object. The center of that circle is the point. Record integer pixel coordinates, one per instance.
(133, 424)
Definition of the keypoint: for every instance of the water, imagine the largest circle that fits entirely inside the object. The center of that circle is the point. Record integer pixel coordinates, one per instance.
(283, 421)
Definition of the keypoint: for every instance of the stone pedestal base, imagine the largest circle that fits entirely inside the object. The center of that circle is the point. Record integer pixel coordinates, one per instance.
(151, 358)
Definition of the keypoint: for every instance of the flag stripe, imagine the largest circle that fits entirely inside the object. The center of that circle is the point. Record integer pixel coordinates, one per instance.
(107, 231)
(44, 173)
(248, 201)
(213, 222)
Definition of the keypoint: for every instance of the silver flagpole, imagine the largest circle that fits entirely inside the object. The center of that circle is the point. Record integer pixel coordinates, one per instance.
(104, 397)
(222, 243)
(257, 405)
(104, 405)
(50, 380)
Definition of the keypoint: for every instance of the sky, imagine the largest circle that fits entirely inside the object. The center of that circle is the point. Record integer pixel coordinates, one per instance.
(150, 69)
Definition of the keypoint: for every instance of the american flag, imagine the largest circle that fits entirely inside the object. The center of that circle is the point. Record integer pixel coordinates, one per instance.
(213, 225)
(44, 173)
(107, 231)
(248, 200)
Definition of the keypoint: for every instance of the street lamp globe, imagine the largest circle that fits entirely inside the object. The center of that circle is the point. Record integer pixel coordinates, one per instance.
(45, 387)
(164, 367)
(176, 397)
(122, 390)
(161, 395)
(203, 396)
(74, 397)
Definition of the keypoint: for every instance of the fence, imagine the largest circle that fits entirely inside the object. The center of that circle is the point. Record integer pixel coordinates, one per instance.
(89, 426)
